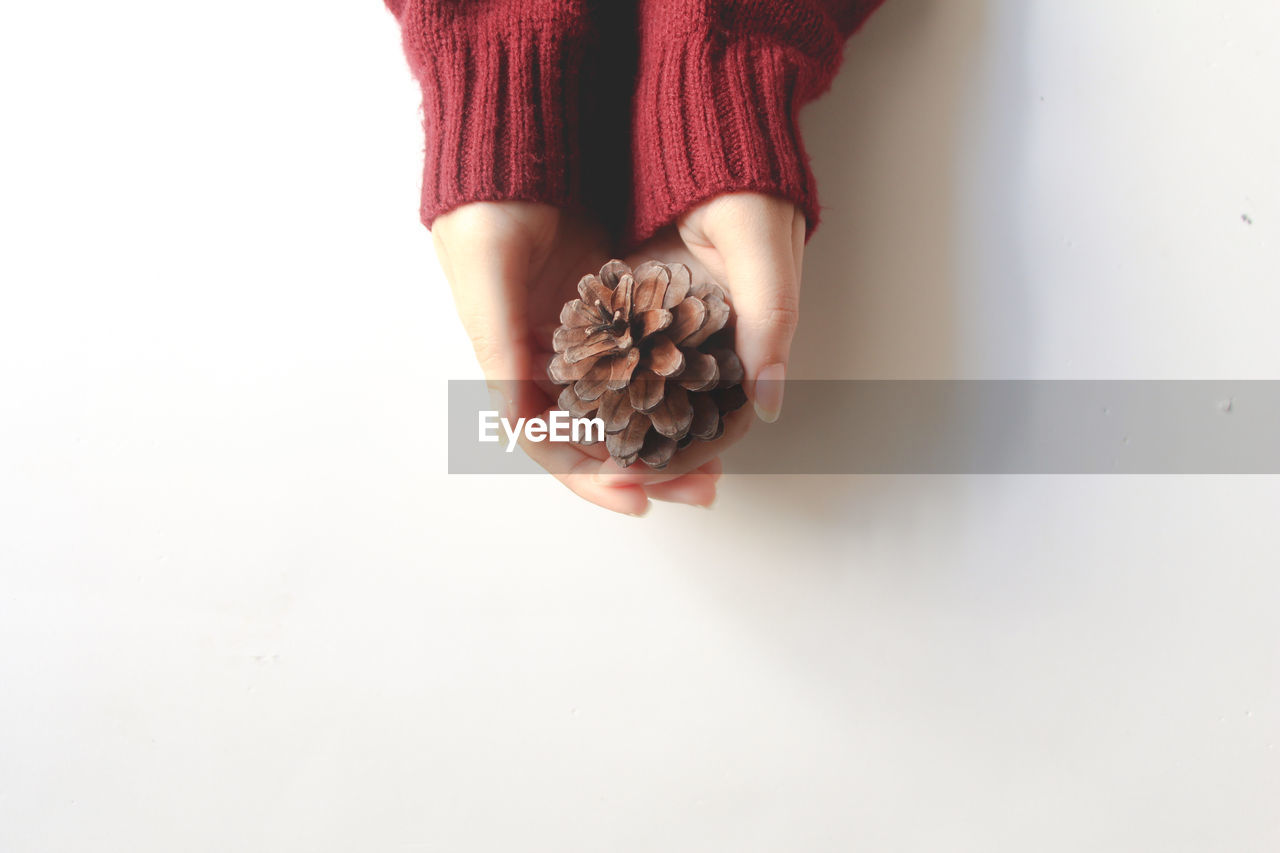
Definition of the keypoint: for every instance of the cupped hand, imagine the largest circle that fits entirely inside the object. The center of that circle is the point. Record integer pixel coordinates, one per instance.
(753, 246)
(511, 266)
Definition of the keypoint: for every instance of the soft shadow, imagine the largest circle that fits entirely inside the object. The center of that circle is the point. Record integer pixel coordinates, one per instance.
(889, 148)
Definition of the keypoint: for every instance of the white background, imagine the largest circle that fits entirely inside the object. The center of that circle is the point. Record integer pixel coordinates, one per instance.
(242, 607)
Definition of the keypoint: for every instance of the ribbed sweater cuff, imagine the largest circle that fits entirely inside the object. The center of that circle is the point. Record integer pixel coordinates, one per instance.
(500, 114)
(713, 119)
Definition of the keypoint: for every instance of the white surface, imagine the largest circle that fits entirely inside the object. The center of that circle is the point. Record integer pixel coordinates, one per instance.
(244, 608)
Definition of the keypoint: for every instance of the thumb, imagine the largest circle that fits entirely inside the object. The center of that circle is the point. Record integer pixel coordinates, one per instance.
(489, 291)
(762, 264)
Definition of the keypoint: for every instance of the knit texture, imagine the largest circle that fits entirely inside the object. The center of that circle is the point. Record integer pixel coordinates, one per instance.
(718, 98)
(500, 99)
(631, 112)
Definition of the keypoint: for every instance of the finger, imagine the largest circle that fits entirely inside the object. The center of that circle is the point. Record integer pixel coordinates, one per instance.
(697, 488)
(575, 467)
(714, 468)
(576, 470)
(691, 490)
(760, 258)
(799, 230)
(489, 290)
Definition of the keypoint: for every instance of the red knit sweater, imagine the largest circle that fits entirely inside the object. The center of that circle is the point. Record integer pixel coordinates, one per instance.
(632, 111)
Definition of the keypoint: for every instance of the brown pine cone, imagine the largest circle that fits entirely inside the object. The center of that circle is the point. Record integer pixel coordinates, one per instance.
(649, 353)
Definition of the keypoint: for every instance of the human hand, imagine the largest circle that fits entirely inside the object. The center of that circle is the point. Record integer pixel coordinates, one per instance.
(511, 266)
(753, 246)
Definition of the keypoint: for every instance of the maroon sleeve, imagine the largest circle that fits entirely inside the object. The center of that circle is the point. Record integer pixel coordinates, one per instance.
(500, 98)
(718, 93)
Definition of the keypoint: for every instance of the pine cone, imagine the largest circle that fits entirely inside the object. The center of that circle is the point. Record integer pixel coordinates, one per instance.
(648, 352)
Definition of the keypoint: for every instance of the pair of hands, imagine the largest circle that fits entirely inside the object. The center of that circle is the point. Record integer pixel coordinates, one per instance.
(512, 265)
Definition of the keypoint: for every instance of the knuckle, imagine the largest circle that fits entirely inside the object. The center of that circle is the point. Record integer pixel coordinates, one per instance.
(784, 316)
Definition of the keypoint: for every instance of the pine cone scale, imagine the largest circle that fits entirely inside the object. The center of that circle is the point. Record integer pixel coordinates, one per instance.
(689, 317)
(646, 392)
(706, 417)
(622, 369)
(664, 358)
(596, 344)
(673, 416)
(594, 292)
(701, 371)
(562, 373)
(678, 286)
(717, 316)
(652, 321)
(658, 450)
(577, 314)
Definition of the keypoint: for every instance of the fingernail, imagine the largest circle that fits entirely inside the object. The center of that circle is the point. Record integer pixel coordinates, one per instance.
(768, 400)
